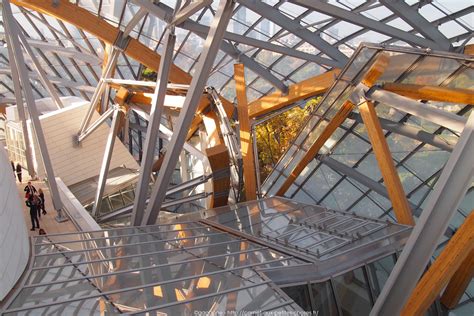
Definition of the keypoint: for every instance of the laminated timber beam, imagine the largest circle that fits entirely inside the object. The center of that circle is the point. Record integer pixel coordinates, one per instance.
(371, 76)
(459, 282)
(469, 50)
(331, 127)
(84, 20)
(308, 88)
(431, 93)
(219, 160)
(245, 138)
(456, 252)
(384, 159)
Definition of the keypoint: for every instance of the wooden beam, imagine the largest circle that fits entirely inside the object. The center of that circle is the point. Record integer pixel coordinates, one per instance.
(83, 19)
(219, 161)
(376, 70)
(371, 76)
(469, 50)
(459, 282)
(305, 89)
(245, 138)
(432, 93)
(337, 120)
(92, 24)
(441, 271)
(121, 96)
(385, 162)
(213, 131)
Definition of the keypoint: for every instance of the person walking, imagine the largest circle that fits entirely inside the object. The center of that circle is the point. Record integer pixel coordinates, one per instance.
(41, 197)
(18, 171)
(33, 213)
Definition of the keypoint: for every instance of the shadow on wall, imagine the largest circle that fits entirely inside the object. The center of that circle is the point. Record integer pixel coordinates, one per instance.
(14, 245)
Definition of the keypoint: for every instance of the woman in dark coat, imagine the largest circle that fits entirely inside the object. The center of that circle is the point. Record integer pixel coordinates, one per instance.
(33, 213)
(18, 171)
(41, 197)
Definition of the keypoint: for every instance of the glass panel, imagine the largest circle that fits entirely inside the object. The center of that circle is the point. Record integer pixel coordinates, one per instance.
(300, 295)
(324, 303)
(352, 293)
(378, 273)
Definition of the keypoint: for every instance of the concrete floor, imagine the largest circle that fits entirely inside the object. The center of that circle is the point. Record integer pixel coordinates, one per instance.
(47, 222)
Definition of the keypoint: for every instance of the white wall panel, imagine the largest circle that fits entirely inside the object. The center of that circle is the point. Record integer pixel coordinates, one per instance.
(75, 164)
(14, 244)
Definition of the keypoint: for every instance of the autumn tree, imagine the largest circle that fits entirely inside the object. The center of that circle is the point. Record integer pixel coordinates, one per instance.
(275, 135)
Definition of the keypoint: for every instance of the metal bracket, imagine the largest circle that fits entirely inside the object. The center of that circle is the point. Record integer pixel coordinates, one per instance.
(121, 42)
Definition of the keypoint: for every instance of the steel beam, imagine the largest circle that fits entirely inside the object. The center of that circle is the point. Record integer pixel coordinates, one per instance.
(56, 80)
(99, 89)
(20, 107)
(235, 53)
(152, 131)
(286, 51)
(97, 123)
(203, 68)
(440, 207)
(42, 74)
(365, 22)
(357, 176)
(250, 63)
(410, 132)
(418, 22)
(166, 134)
(8, 22)
(274, 15)
(184, 13)
(443, 118)
(108, 151)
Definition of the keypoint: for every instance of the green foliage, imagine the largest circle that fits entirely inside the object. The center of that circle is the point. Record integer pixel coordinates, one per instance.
(275, 135)
(149, 74)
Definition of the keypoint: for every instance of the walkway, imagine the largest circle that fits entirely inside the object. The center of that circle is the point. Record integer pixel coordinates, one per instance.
(47, 222)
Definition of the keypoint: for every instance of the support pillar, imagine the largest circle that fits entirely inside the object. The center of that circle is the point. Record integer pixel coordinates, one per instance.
(152, 131)
(385, 161)
(245, 137)
(206, 60)
(440, 207)
(109, 148)
(20, 106)
(9, 21)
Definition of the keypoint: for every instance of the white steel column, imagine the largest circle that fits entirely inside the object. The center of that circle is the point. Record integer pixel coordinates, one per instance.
(156, 110)
(456, 177)
(8, 21)
(19, 105)
(206, 60)
(108, 151)
(42, 74)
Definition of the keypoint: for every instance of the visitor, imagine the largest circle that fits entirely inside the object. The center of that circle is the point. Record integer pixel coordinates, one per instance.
(33, 213)
(18, 171)
(41, 197)
(29, 189)
(13, 167)
(37, 203)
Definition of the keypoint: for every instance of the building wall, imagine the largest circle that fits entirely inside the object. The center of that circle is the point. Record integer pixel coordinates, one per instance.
(72, 163)
(14, 244)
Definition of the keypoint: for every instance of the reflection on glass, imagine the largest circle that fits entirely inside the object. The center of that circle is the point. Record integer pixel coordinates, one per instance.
(378, 273)
(352, 292)
(324, 303)
(300, 295)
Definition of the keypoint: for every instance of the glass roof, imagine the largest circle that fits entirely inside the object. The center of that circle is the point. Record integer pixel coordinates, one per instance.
(278, 35)
(214, 260)
(171, 269)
